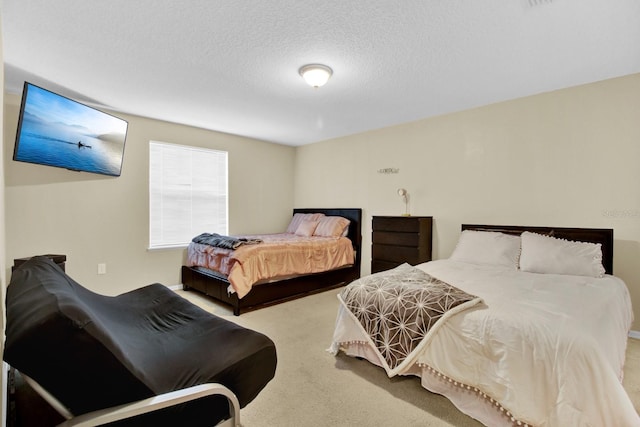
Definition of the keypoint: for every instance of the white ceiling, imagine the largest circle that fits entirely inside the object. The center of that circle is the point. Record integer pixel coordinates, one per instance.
(232, 66)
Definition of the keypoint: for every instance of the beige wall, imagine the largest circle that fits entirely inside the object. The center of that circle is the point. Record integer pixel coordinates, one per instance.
(567, 158)
(95, 219)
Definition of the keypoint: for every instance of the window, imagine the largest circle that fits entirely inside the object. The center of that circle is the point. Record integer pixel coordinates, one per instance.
(187, 193)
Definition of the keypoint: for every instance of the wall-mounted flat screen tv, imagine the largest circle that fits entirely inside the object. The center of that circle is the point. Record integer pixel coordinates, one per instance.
(57, 131)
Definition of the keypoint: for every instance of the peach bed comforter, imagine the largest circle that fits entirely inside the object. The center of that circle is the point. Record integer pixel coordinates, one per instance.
(278, 256)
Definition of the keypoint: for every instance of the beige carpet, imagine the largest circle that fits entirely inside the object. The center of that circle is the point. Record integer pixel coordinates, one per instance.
(314, 388)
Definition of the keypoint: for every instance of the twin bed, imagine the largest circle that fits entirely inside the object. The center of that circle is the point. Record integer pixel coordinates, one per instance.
(521, 326)
(319, 251)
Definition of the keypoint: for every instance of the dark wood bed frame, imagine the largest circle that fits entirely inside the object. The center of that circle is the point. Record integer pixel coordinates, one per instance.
(215, 285)
(604, 236)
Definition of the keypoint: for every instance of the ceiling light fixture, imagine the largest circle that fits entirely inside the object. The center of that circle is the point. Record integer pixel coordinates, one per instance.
(315, 75)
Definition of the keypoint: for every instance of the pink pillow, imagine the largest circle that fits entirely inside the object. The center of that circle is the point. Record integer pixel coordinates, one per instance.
(331, 226)
(306, 228)
(299, 217)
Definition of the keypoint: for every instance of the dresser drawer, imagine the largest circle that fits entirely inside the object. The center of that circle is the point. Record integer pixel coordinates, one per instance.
(395, 238)
(378, 265)
(396, 254)
(401, 224)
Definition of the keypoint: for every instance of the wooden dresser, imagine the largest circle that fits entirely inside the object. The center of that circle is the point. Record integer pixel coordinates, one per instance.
(399, 239)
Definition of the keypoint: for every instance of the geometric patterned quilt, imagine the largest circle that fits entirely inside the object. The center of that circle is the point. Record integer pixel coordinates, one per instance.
(400, 309)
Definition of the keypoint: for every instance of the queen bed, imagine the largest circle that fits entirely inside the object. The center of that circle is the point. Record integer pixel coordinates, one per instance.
(530, 328)
(249, 277)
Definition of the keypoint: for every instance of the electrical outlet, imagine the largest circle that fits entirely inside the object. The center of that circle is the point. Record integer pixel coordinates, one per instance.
(102, 268)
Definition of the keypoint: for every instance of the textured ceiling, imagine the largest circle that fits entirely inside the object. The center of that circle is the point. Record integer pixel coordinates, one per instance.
(232, 66)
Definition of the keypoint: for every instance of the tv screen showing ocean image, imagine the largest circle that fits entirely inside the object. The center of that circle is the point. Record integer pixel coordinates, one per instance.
(56, 131)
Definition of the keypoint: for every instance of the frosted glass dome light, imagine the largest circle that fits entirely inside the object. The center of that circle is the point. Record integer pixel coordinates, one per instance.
(315, 75)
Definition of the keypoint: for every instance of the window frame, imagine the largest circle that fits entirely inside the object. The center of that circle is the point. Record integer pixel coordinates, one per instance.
(221, 157)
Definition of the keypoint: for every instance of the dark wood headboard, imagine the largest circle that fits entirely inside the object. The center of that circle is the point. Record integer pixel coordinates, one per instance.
(604, 236)
(355, 226)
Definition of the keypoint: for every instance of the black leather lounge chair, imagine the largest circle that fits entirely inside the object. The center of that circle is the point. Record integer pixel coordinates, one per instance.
(146, 357)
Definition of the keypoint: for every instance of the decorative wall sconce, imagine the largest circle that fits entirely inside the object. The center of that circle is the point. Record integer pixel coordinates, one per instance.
(389, 170)
(405, 198)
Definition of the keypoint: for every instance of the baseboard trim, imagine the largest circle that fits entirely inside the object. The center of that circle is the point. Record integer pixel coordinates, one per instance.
(634, 334)
(180, 287)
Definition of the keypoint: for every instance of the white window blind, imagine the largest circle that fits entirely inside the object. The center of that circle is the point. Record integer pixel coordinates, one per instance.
(187, 193)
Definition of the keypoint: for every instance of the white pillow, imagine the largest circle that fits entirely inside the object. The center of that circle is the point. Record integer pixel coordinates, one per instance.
(487, 248)
(545, 254)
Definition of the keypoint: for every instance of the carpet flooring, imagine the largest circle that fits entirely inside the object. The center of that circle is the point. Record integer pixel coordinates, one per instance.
(314, 388)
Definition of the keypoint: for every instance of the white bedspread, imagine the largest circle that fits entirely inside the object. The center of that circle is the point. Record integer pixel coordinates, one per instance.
(545, 350)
